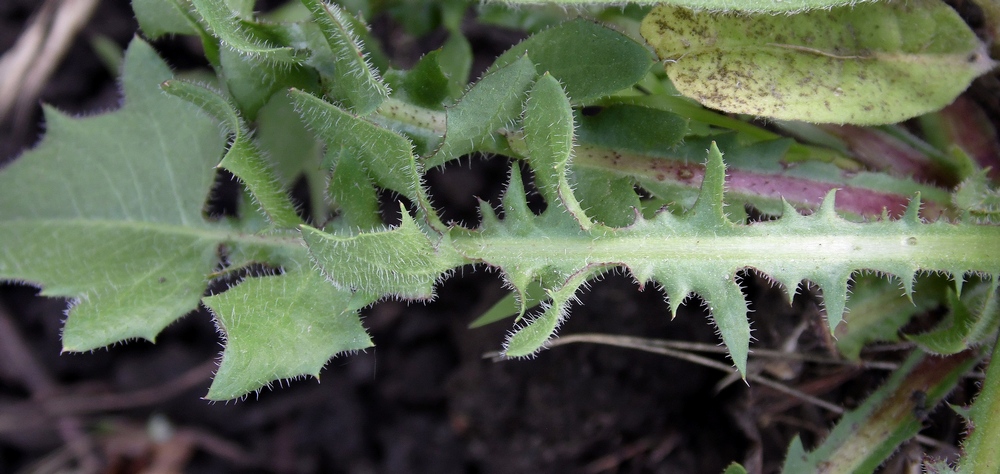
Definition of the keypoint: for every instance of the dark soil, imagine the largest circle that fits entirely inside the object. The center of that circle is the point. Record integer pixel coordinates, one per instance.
(425, 399)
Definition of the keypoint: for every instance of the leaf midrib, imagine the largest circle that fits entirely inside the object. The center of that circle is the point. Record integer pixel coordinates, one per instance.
(758, 245)
(211, 231)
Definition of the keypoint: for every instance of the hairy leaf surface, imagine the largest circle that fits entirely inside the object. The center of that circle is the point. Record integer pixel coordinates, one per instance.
(367, 154)
(352, 80)
(492, 103)
(701, 252)
(973, 321)
(548, 136)
(241, 35)
(244, 158)
(402, 262)
(281, 327)
(108, 210)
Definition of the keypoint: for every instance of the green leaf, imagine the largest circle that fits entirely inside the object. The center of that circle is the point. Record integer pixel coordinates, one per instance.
(441, 76)
(608, 199)
(281, 327)
(496, 101)
(590, 60)
(701, 251)
(164, 17)
(455, 61)
(386, 156)
(253, 80)
(633, 128)
(872, 63)
(522, 274)
(735, 468)
(294, 151)
(291, 146)
(244, 158)
(530, 20)
(979, 450)
(536, 330)
(353, 81)
(108, 210)
(426, 85)
(245, 37)
(877, 312)
(401, 262)
(977, 197)
(548, 136)
(972, 321)
(866, 436)
(352, 190)
(748, 6)
(511, 306)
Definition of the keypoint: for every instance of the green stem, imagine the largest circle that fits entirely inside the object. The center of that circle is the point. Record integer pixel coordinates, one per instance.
(981, 454)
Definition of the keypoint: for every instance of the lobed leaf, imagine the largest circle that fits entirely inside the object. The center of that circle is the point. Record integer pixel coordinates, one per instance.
(872, 63)
(701, 252)
(280, 327)
(108, 210)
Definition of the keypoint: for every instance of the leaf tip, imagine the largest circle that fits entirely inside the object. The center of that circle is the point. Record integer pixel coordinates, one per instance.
(828, 208)
(912, 214)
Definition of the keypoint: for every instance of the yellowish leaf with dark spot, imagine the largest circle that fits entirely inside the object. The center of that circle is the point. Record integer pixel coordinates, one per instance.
(868, 64)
